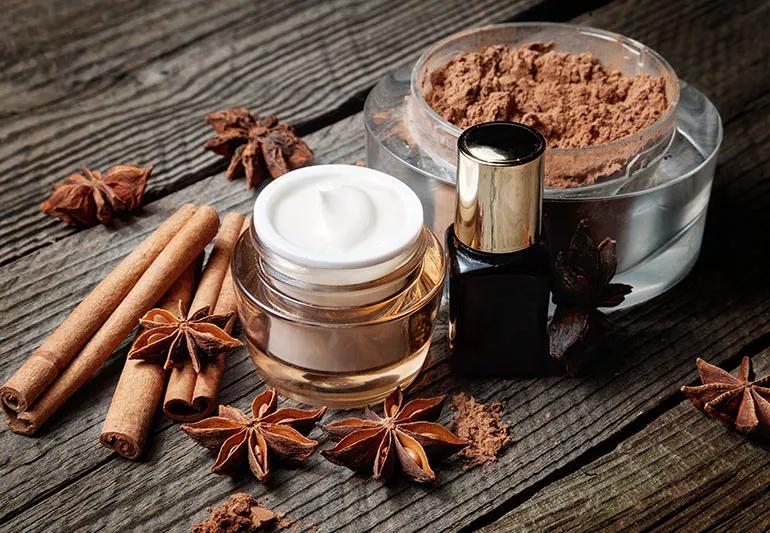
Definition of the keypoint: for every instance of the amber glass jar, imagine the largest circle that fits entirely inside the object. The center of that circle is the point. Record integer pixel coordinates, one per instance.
(338, 332)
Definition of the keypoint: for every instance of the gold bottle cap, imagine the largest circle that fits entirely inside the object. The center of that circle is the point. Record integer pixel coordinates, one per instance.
(499, 187)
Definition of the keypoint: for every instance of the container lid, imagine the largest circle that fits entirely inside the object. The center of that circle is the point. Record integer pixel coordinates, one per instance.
(499, 187)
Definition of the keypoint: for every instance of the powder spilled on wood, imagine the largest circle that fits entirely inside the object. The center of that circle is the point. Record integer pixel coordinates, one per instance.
(482, 426)
(239, 514)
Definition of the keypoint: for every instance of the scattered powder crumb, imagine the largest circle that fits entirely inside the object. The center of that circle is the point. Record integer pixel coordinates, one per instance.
(572, 99)
(239, 514)
(296, 526)
(482, 426)
(286, 523)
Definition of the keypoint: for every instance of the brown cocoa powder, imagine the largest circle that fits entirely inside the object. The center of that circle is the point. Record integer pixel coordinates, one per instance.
(239, 514)
(482, 426)
(572, 99)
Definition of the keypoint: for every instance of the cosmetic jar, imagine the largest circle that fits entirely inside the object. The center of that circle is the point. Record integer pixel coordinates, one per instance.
(339, 284)
(654, 208)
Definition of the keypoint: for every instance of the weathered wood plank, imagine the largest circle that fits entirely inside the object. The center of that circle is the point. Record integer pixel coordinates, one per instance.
(68, 269)
(58, 52)
(716, 312)
(555, 420)
(135, 86)
(683, 471)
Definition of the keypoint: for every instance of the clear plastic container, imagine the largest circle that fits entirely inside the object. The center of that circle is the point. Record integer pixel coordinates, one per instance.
(656, 212)
(614, 163)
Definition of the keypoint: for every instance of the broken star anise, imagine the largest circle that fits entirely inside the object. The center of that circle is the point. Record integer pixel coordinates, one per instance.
(174, 339)
(403, 437)
(256, 148)
(740, 401)
(84, 200)
(238, 439)
(582, 283)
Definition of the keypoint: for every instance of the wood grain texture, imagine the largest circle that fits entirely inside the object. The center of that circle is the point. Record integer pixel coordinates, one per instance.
(721, 309)
(555, 420)
(136, 83)
(684, 471)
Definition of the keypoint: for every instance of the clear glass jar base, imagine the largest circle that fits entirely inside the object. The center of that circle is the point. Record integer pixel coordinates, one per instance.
(346, 390)
(657, 222)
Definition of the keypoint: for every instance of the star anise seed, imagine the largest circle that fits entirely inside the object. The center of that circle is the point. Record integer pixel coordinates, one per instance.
(238, 439)
(256, 148)
(174, 339)
(582, 283)
(741, 401)
(403, 438)
(84, 200)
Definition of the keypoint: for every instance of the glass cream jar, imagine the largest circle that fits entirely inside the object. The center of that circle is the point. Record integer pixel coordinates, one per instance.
(339, 284)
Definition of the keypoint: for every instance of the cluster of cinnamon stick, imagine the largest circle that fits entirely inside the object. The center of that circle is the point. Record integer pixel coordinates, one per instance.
(162, 270)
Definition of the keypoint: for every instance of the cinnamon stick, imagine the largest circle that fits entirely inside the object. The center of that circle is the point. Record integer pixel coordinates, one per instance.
(205, 397)
(180, 252)
(191, 396)
(141, 385)
(57, 351)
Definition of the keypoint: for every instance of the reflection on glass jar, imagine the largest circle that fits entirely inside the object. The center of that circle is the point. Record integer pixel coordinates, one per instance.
(341, 334)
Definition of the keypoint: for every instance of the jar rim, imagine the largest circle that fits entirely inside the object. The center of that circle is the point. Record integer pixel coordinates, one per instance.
(401, 238)
(286, 272)
(246, 240)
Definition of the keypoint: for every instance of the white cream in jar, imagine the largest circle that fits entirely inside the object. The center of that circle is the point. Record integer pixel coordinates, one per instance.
(337, 225)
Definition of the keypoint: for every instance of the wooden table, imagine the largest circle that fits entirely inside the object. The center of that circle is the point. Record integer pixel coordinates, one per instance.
(100, 83)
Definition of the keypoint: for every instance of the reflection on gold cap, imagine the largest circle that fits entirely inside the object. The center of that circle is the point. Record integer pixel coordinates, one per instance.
(499, 187)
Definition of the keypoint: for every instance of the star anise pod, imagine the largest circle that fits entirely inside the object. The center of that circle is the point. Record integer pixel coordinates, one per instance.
(86, 199)
(403, 437)
(582, 283)
(238, 439)
(740, 401)
(174, 339)
(256, 148)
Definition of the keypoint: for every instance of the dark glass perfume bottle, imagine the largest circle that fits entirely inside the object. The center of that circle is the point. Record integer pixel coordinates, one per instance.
(498, 264)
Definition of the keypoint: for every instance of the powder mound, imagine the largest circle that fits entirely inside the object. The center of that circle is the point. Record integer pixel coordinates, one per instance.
(482, 426)
(572, 99)
(239, 514)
